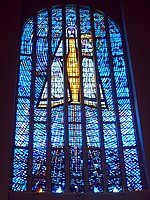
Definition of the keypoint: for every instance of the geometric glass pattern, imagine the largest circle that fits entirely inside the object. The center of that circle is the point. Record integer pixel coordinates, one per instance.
(75, 129)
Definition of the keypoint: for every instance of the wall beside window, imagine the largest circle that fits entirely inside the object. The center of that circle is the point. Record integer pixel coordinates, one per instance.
(9, 40)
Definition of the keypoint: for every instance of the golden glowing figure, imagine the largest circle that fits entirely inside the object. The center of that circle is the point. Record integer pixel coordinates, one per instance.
(73, 74)
(73, 71)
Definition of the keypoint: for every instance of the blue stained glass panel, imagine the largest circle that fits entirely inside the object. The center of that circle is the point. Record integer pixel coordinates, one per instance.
(75, 134)
(133, 174)
(108, 114)
(120, 77)
(76, 164)
(24, 84)
(39, 149)
(42, 24)
(74, 113)
(41, 56)
(70, 17)
(102, 57)
(40, 82)
(112, 156)
(76, 185)
(112, 162)
(95, 170)
(22, 134)
(19, 180)
(126, 123)
(22, 122)
(40, 104)
(56, 28)
(92, 127)
(110, 136)
(57, 127)
(58, 169)
(26, 38)
(85, 23)
(86, 45)
(115, 39)
(89, 82)
(40, 115)
(114, 184)
(57, 81)
(99, 25)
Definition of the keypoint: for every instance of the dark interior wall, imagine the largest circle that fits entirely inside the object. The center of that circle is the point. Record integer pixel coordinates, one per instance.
(110, 7)
(13, 14)
(9, 42)
(138, 30)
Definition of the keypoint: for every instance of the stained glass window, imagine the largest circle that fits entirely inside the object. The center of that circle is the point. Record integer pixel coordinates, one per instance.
(74, 92)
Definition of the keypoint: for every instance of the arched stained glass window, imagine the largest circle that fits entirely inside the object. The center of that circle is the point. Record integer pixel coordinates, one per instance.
(75, 130)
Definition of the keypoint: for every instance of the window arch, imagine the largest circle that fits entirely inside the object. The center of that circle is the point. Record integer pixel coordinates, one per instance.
(75, 130)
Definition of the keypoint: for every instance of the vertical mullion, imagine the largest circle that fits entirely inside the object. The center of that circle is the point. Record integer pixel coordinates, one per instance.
(48, 153)
(100, 121)
(66, 135)
(83, 120)
(120, 145)
(31, 128)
